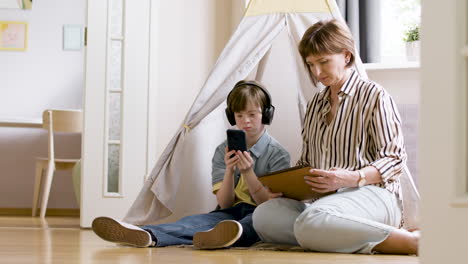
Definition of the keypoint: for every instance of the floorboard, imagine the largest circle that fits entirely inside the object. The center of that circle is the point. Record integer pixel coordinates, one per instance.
(60, 240)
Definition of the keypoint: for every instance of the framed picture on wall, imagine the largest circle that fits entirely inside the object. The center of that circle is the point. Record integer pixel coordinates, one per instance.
(16, 4)
(13, 35)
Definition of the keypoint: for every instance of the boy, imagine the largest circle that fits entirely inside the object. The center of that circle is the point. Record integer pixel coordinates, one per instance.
(235, 184)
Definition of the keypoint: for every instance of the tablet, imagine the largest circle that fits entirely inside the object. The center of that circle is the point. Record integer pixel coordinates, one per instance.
(291, 183)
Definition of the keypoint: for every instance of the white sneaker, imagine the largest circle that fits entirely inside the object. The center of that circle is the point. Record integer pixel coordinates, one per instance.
(224, 234)
(115, 231)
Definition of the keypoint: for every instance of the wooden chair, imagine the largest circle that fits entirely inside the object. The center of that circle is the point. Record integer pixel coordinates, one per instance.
(54, 121)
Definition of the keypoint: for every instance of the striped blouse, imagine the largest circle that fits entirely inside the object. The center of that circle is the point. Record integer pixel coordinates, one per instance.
(366, 131)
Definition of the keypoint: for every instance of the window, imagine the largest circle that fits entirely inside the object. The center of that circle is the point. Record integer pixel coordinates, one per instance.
(397, 17)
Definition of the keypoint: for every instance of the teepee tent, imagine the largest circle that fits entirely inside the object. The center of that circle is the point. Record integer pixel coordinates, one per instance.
(264, 48)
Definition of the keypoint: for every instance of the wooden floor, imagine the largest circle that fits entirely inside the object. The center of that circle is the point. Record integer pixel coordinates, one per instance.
(60, 240)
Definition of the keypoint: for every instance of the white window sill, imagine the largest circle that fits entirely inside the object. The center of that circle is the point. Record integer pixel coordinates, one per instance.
(392, 65)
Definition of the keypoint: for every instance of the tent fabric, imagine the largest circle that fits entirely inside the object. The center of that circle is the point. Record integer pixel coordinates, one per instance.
(263, 47)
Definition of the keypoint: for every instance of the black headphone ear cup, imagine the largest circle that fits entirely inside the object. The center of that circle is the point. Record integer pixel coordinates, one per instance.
(267, 115)
(230, 117)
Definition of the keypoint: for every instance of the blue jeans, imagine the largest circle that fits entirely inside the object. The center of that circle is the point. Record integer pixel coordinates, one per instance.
(182, 231)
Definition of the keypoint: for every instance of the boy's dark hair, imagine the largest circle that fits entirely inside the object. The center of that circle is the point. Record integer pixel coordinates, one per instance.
(249, 91)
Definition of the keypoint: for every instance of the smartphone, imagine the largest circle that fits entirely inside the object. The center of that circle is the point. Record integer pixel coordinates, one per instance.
(236, 140)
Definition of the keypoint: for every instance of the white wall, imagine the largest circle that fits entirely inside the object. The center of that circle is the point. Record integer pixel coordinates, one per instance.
(191, 36)
(44, 76)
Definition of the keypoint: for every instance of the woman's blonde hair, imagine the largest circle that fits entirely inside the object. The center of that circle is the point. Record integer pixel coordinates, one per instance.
(326, 37)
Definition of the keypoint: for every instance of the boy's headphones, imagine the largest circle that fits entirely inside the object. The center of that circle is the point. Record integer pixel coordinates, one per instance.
(267, 112)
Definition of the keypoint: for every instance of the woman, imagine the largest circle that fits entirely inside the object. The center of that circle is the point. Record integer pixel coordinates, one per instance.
(352, 138)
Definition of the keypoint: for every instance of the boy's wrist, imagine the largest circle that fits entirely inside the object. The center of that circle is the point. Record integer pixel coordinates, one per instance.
(229, 174)
(247, 172)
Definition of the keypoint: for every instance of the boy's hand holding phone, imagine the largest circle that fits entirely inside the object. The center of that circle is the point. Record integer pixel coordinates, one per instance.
(245, 162)
(230, 159)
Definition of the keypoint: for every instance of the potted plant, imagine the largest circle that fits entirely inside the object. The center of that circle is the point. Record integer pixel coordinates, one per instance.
(412, 41)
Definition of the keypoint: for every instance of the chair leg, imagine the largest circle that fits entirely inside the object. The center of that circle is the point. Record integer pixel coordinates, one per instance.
(37, 186)
(46, 189)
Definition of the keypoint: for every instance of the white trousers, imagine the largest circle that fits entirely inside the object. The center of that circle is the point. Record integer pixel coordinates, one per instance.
(353, 220)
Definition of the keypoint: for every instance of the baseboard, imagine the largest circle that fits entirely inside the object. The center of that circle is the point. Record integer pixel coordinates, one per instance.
(50, 212)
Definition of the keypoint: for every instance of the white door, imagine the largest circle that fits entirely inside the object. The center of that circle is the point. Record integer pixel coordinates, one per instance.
(444, 174)
(115, 136)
